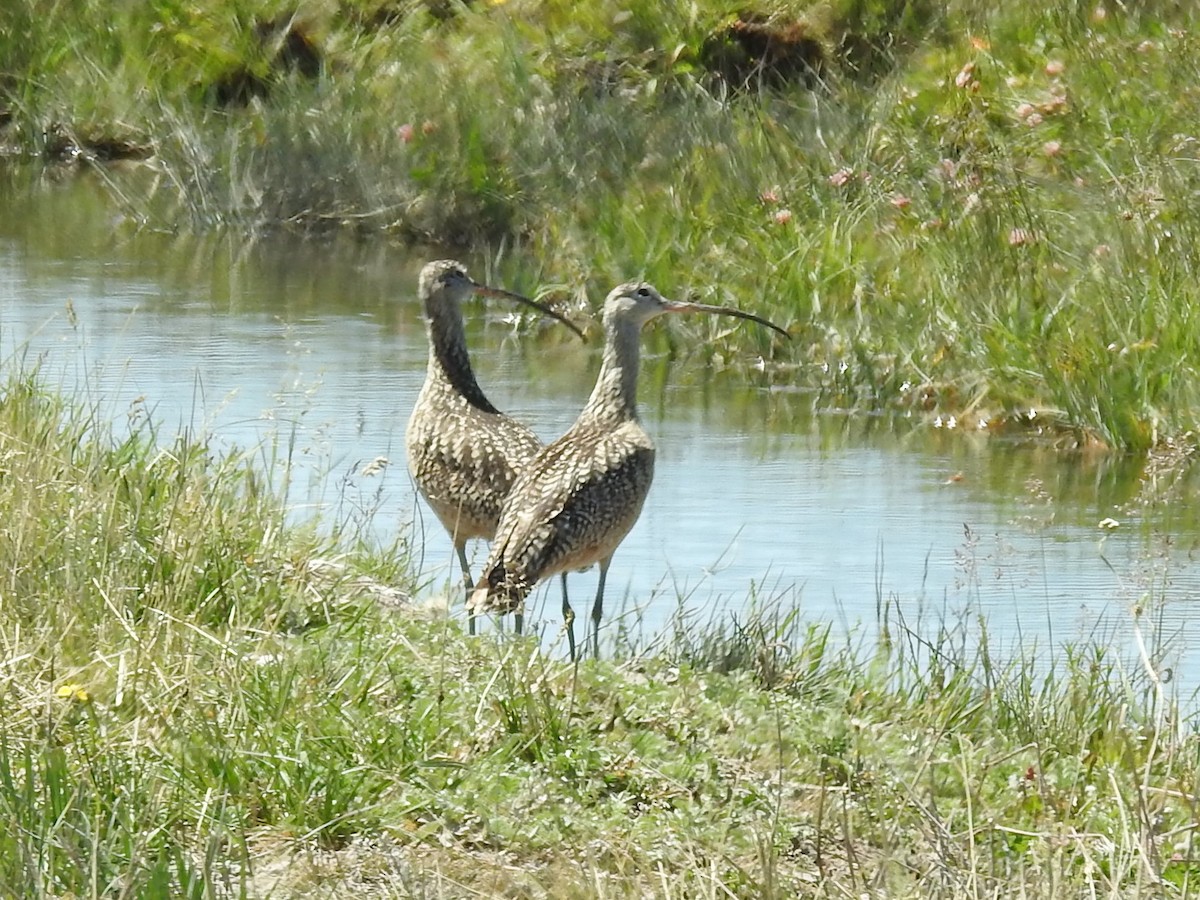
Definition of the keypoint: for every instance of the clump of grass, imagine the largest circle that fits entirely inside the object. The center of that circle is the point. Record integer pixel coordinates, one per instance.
(193, 708)
(115, 530)
(134, 572)
(1002, 776)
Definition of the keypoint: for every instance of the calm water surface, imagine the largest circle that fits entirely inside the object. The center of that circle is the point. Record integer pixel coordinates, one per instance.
(321, 345)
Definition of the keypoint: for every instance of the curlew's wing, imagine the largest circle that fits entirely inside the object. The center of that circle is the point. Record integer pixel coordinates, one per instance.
(572, 505)
(465, 462)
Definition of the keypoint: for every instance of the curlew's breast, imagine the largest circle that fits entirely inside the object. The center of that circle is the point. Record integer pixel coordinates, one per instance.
(465, 462)
(577, 500)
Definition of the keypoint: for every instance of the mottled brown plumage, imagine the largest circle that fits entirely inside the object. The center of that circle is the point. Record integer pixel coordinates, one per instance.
(574, 503)
(463, 453)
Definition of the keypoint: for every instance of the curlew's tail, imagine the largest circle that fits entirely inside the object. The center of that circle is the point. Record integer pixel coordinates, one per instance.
(498, 592)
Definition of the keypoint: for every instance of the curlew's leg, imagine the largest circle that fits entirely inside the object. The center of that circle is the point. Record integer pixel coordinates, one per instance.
(568, 619)
(598, 608)
(461, 548)
(519, 622)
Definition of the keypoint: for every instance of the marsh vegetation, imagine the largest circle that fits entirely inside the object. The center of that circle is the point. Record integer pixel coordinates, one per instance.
(981, 216)
(964, 211)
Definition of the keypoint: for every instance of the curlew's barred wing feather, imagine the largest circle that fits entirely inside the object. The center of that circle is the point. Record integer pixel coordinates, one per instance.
(570, 508)
(465, 461)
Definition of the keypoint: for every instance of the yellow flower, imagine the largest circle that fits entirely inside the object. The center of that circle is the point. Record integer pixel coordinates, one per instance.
(72, 691)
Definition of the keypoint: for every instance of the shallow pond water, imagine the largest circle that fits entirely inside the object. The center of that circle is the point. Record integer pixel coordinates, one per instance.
(320, 348)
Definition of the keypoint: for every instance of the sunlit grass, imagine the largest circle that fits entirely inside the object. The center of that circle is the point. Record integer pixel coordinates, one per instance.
(196, 705)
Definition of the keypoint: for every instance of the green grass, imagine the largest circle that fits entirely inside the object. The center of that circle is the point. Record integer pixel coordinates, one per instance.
(974, 212)
(195, 705)
(204, 698)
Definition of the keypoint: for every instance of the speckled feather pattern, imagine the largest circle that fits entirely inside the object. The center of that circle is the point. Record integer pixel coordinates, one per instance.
(579, 499)
(465, 460)
(463, 453)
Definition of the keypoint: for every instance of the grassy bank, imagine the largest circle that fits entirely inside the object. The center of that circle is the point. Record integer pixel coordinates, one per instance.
(204, 699)
(967, 212)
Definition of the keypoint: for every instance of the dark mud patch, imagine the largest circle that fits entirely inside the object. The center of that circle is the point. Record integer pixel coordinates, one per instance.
(64, 144)
(283, 46)
(759, 51)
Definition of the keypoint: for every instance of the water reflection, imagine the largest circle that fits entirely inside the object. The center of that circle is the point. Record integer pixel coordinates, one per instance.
(320, 342)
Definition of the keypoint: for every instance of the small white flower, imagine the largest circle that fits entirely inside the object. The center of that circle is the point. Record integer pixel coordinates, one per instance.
(937, 423)
(952, 422)
(1109, 524)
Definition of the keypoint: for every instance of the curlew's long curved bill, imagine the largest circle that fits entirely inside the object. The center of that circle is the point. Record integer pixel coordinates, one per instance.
(486, 291)
(684, 306)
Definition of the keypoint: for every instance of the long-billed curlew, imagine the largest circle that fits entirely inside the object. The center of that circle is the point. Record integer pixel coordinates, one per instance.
(463, 453)
(575, 502)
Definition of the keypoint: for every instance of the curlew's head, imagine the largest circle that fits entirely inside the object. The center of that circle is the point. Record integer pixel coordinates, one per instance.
(637, 302)
(444, 278)
(446, 282)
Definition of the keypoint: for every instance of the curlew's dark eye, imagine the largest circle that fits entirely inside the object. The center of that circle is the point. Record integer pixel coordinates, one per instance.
(643, 292)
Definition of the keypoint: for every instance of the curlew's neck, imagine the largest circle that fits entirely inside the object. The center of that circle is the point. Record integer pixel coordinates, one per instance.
(614, 398)
(449, 361)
